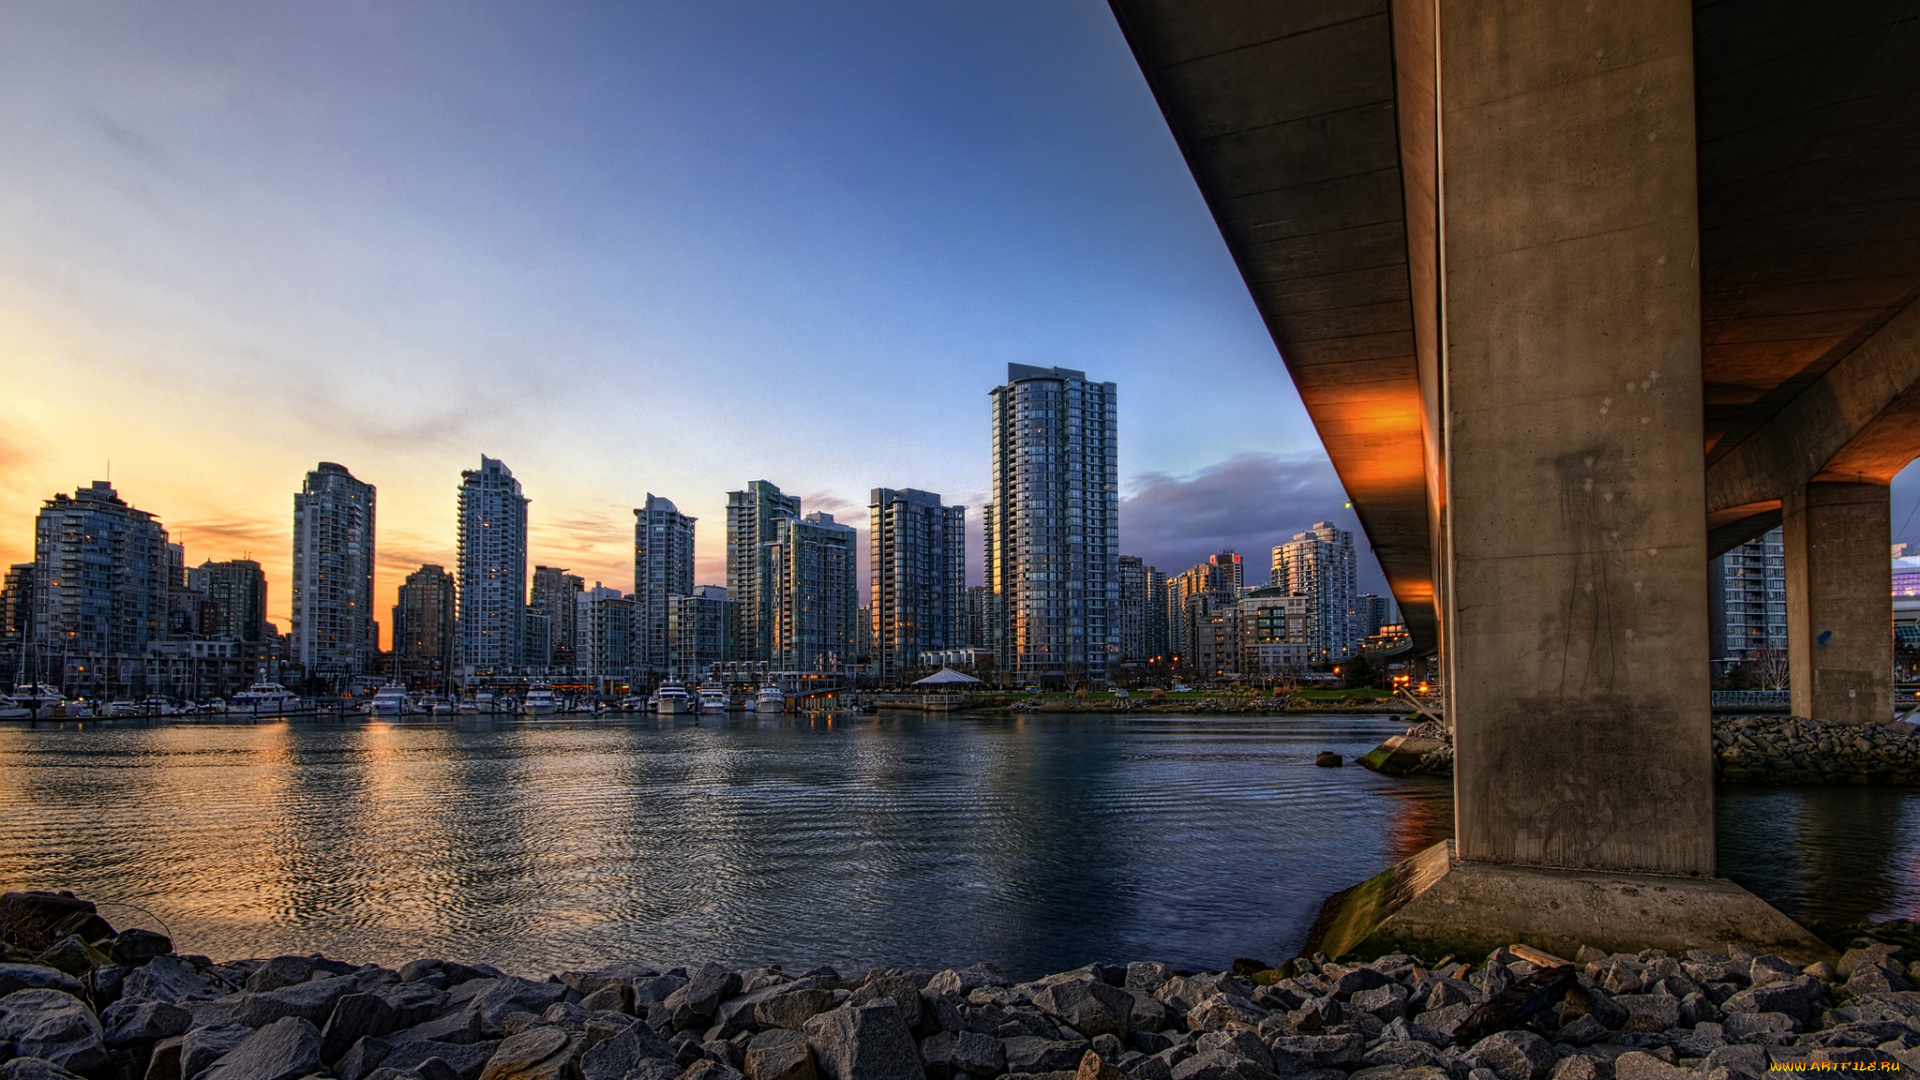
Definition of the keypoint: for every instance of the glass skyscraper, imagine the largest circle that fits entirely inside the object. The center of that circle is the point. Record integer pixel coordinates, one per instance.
(493, 570)
(333, 557)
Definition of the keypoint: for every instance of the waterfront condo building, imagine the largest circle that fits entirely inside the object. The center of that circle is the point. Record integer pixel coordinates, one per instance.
(662, 574)
(1747, 609)
(751, 514)
(1271, 636)
(603, 629)
(1142, 610)
(237, 591)
(699, 632)
(423, 623)
(16, 603)
(99, 592)
(1052, 525)
(918, 571)
(554, 591)
(1320, 565)
(493, 571)
(810, 565)
(334, 633)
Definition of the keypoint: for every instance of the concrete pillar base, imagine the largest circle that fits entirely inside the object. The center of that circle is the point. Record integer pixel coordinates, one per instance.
(1433, 905)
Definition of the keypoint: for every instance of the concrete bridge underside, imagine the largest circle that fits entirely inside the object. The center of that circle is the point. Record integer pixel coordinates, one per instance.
(1578, 295)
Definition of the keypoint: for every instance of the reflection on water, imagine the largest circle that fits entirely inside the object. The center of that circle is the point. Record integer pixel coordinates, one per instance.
(1849, 854)
(1037, 843)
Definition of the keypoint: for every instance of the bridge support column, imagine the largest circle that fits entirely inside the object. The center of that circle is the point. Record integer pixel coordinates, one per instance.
(1573, 567)
(1840, 602)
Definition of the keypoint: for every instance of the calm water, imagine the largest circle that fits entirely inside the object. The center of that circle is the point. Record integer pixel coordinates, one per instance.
(1037, 843)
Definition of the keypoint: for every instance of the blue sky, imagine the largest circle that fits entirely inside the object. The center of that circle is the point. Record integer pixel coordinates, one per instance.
(627, 248)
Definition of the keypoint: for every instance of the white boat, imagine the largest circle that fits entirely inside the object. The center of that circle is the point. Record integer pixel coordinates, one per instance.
(770, 700)
(673, 700)
(264, 699)
(634, 704)
(540, 701)
(713, 699)
(32, 702)
(390, 700)
(155, 705)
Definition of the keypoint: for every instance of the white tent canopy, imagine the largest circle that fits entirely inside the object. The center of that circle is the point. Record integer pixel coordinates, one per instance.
(946, 676)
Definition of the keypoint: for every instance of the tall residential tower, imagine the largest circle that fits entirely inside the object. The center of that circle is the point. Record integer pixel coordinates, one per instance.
(493, 570)
(334, 633)
(1320, 565)
(751, 514)
(1052, 525)
(662, 573)
(918, 568)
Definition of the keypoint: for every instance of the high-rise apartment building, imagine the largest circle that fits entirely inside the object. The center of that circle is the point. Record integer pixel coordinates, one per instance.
(16, 603)
(1052, 525)
(603, 630)
(493, 570)
(977, 607)
(751, 514)
(554, 591)
(1207, 628)
(334, 633)
(662, 572)
(424, 622)
(237, 589)
(700, 632)
(1131, 613)
(1747, 604)
(1272, 634)
(810, 565)
(1320, 565)
(1369, 614)
(100, 584)
(918, 571)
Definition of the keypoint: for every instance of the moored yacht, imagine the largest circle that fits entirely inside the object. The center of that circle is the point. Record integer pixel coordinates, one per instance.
(390, 700)
(673, 700)
(770, 700)
(713, 699)
(264, 699)
(540, 701)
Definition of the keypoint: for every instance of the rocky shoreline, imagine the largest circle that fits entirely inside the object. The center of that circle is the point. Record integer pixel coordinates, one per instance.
(78, 999)
(1242, 706)
(1746, 750)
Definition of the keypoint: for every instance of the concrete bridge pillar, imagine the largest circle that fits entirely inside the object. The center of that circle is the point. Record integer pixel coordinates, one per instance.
(1840, 601)
(1555, 140)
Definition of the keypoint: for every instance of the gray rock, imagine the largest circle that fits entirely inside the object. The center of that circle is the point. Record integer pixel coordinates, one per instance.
(864, 1042)
(508, 994)
(310, 1001)
(978, 1055)
(903, 989)
(1583, 1030)
(169, 979)
(1403, 1052)
(1794, 997)
(612, 1059)
(281, 971)
(135, 947)
(1239, 1043)
(1219, 1065)
(131, 1022)
(287, 1049)
(1034, 1054)
(614, 997)
(354, 1017)
(1649, 1012)
(541, 1053)
(460, 1028)
(1147, 976)
(33, 1068)
(163, 1062)
(412, 1002)
(1514, 1055)
(360, 1059)
(1876, 954)
(964, 981)
(1770, 969)
(53, 1026)
(791, 1008)
(1388, 1003)
(1217, 1011)
(205, 1045)
(1090, 1006)
(785, 1056)
(652, 991)
(1148, 1013)
(695, 1003)
(1407, 1029)
(653, 1069)
(1182, 994)
(1751, 1062)
(466, 1059)
(1639, 1065)
(1445, 1020)
(1576, 1067)
(1358, 979)
(1320, 1051)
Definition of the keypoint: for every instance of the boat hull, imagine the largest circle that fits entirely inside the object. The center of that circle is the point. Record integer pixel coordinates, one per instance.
(674, 707)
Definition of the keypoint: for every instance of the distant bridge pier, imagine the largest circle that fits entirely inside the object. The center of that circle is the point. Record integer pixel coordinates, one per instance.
(1839, 601)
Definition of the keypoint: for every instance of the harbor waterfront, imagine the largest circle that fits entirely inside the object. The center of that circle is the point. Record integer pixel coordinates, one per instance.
(1037, 842)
